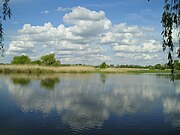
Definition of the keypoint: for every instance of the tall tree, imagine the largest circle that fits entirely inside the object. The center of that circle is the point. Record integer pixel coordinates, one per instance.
(6, 13)
(23, 59)
(50, 60)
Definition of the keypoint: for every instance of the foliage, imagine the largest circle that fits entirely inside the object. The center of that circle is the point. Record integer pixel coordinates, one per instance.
(129, 66)
(50, 60)
(159, 66)
(103, 65)
(57, 63)
(47, 60)
(6, 12)
(36, 62)
(171, 21)
(176, 65)
(23, 59)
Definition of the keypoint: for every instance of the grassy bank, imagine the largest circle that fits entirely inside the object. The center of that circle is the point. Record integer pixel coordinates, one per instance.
(31, 69)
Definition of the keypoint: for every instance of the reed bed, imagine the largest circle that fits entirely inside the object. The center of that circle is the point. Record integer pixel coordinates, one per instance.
(75, 69)
(45, 69)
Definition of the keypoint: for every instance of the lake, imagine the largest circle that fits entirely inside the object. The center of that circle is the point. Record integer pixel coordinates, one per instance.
(89, 104)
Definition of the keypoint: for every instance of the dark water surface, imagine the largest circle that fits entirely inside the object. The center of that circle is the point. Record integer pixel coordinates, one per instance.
(89, 104)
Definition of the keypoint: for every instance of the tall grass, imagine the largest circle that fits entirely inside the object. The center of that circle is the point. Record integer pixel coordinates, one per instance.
(44, 69)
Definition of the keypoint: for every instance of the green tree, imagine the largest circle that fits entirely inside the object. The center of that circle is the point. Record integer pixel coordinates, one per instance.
(50, 60)
(103, 65)
(23, 59)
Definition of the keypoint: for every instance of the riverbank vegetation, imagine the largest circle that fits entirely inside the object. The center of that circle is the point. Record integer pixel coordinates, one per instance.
(36, 69)
(49, 64)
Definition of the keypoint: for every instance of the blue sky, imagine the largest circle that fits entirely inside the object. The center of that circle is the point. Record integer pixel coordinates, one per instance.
(118, 11)
(115, 31)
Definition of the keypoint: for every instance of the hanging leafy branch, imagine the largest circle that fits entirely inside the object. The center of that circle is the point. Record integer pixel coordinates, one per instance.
(6, 13)
(171, 22)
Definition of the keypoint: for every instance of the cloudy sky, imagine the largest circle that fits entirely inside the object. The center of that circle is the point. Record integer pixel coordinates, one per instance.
(86, 31)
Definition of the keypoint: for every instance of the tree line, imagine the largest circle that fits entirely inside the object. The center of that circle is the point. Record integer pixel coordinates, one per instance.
(50, 60)
(151, 67)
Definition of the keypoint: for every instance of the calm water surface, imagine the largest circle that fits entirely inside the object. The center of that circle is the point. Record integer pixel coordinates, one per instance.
(89, 104)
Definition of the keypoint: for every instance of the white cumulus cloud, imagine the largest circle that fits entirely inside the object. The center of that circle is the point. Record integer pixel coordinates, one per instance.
(89, 38)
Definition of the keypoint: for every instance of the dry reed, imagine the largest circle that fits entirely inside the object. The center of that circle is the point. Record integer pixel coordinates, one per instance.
(45, 69)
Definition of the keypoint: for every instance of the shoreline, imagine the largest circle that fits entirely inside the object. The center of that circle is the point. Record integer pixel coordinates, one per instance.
(35, 69)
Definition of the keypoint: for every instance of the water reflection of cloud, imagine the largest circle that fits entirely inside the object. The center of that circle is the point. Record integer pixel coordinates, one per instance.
(172, 110)
(83, 101)
(177, 87)
(87, 116)
(171, 106)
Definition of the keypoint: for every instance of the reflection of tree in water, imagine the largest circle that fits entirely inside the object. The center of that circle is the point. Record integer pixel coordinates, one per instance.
(177, 77)
(103, 77)
(49, 83)
(168, 76)
(20, 81)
